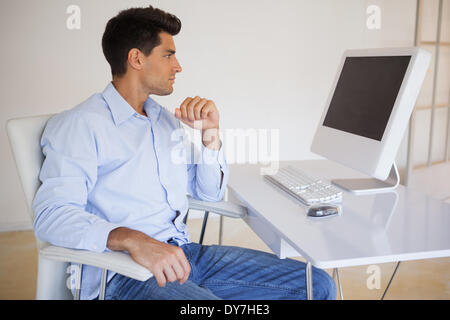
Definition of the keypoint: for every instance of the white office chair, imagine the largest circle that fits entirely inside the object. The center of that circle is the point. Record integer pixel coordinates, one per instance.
(53, 262)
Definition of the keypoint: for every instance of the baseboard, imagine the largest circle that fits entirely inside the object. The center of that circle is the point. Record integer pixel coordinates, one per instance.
(26, 225)
(16, 226)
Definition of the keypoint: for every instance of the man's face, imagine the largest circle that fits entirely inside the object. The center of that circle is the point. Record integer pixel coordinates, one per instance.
(160, 67)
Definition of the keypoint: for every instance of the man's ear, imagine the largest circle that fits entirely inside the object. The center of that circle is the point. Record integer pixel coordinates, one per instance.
(135, 59)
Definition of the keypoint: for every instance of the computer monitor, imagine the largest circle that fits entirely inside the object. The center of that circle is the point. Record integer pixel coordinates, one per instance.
(367, 112)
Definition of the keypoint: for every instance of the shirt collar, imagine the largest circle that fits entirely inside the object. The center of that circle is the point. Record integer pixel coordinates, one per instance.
(122, 111)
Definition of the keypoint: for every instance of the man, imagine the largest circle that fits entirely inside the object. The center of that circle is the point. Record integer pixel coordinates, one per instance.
(109, 181)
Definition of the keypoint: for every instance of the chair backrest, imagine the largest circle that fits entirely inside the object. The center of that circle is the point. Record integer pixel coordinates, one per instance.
(24, 137)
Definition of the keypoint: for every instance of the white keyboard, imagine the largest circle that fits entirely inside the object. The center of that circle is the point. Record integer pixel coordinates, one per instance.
(307, 189)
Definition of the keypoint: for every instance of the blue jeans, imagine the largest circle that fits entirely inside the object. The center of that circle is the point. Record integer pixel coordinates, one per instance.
(225, 272)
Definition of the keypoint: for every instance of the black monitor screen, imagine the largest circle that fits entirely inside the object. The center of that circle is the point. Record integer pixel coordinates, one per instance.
(365, 94)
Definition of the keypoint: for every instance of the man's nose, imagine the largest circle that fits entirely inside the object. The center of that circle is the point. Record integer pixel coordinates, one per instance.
(177, 66)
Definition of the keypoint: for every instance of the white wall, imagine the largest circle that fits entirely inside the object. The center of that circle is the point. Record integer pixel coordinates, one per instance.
(266, 64)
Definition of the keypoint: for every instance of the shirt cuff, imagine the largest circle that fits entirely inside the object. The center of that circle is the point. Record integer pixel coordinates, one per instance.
(210, 156)
(97, 236)
(212, 174)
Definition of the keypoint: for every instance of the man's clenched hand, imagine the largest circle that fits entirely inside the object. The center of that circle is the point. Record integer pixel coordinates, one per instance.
(198, 109)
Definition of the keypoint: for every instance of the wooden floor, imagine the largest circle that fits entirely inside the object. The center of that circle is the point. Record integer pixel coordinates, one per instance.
(420, 279)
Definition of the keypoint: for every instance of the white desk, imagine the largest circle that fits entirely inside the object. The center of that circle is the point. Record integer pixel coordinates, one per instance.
(377, 228)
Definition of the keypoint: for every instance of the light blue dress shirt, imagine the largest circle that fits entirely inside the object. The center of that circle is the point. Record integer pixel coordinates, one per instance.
(107, 166)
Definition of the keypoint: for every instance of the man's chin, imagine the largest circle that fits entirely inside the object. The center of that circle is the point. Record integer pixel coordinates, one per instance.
(164, 92)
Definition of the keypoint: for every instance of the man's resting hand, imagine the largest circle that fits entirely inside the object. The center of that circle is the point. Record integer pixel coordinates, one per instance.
(165, 261)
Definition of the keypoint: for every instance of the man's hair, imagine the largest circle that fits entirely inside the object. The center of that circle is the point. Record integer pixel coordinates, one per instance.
(135, 28)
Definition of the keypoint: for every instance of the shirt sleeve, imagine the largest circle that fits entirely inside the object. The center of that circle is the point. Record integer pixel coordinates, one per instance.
(208, 176)
(68, 174)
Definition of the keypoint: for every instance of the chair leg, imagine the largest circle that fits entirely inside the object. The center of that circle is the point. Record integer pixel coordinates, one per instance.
(185, 217)
(341, 293)
(205, 220)
(220, 230)
(103, 285)
(309, 281)
(78, 282)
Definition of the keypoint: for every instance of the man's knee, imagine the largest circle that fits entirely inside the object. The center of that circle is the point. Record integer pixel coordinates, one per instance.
(324, 287)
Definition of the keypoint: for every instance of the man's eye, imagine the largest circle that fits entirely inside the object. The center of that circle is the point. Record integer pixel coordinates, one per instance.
(168, 56)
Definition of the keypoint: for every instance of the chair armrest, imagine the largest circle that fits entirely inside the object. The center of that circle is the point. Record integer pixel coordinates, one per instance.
(121, 262)
(115, 261)
(224, 208)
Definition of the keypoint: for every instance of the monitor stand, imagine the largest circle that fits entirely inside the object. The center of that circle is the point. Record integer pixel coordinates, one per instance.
(370, 185)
